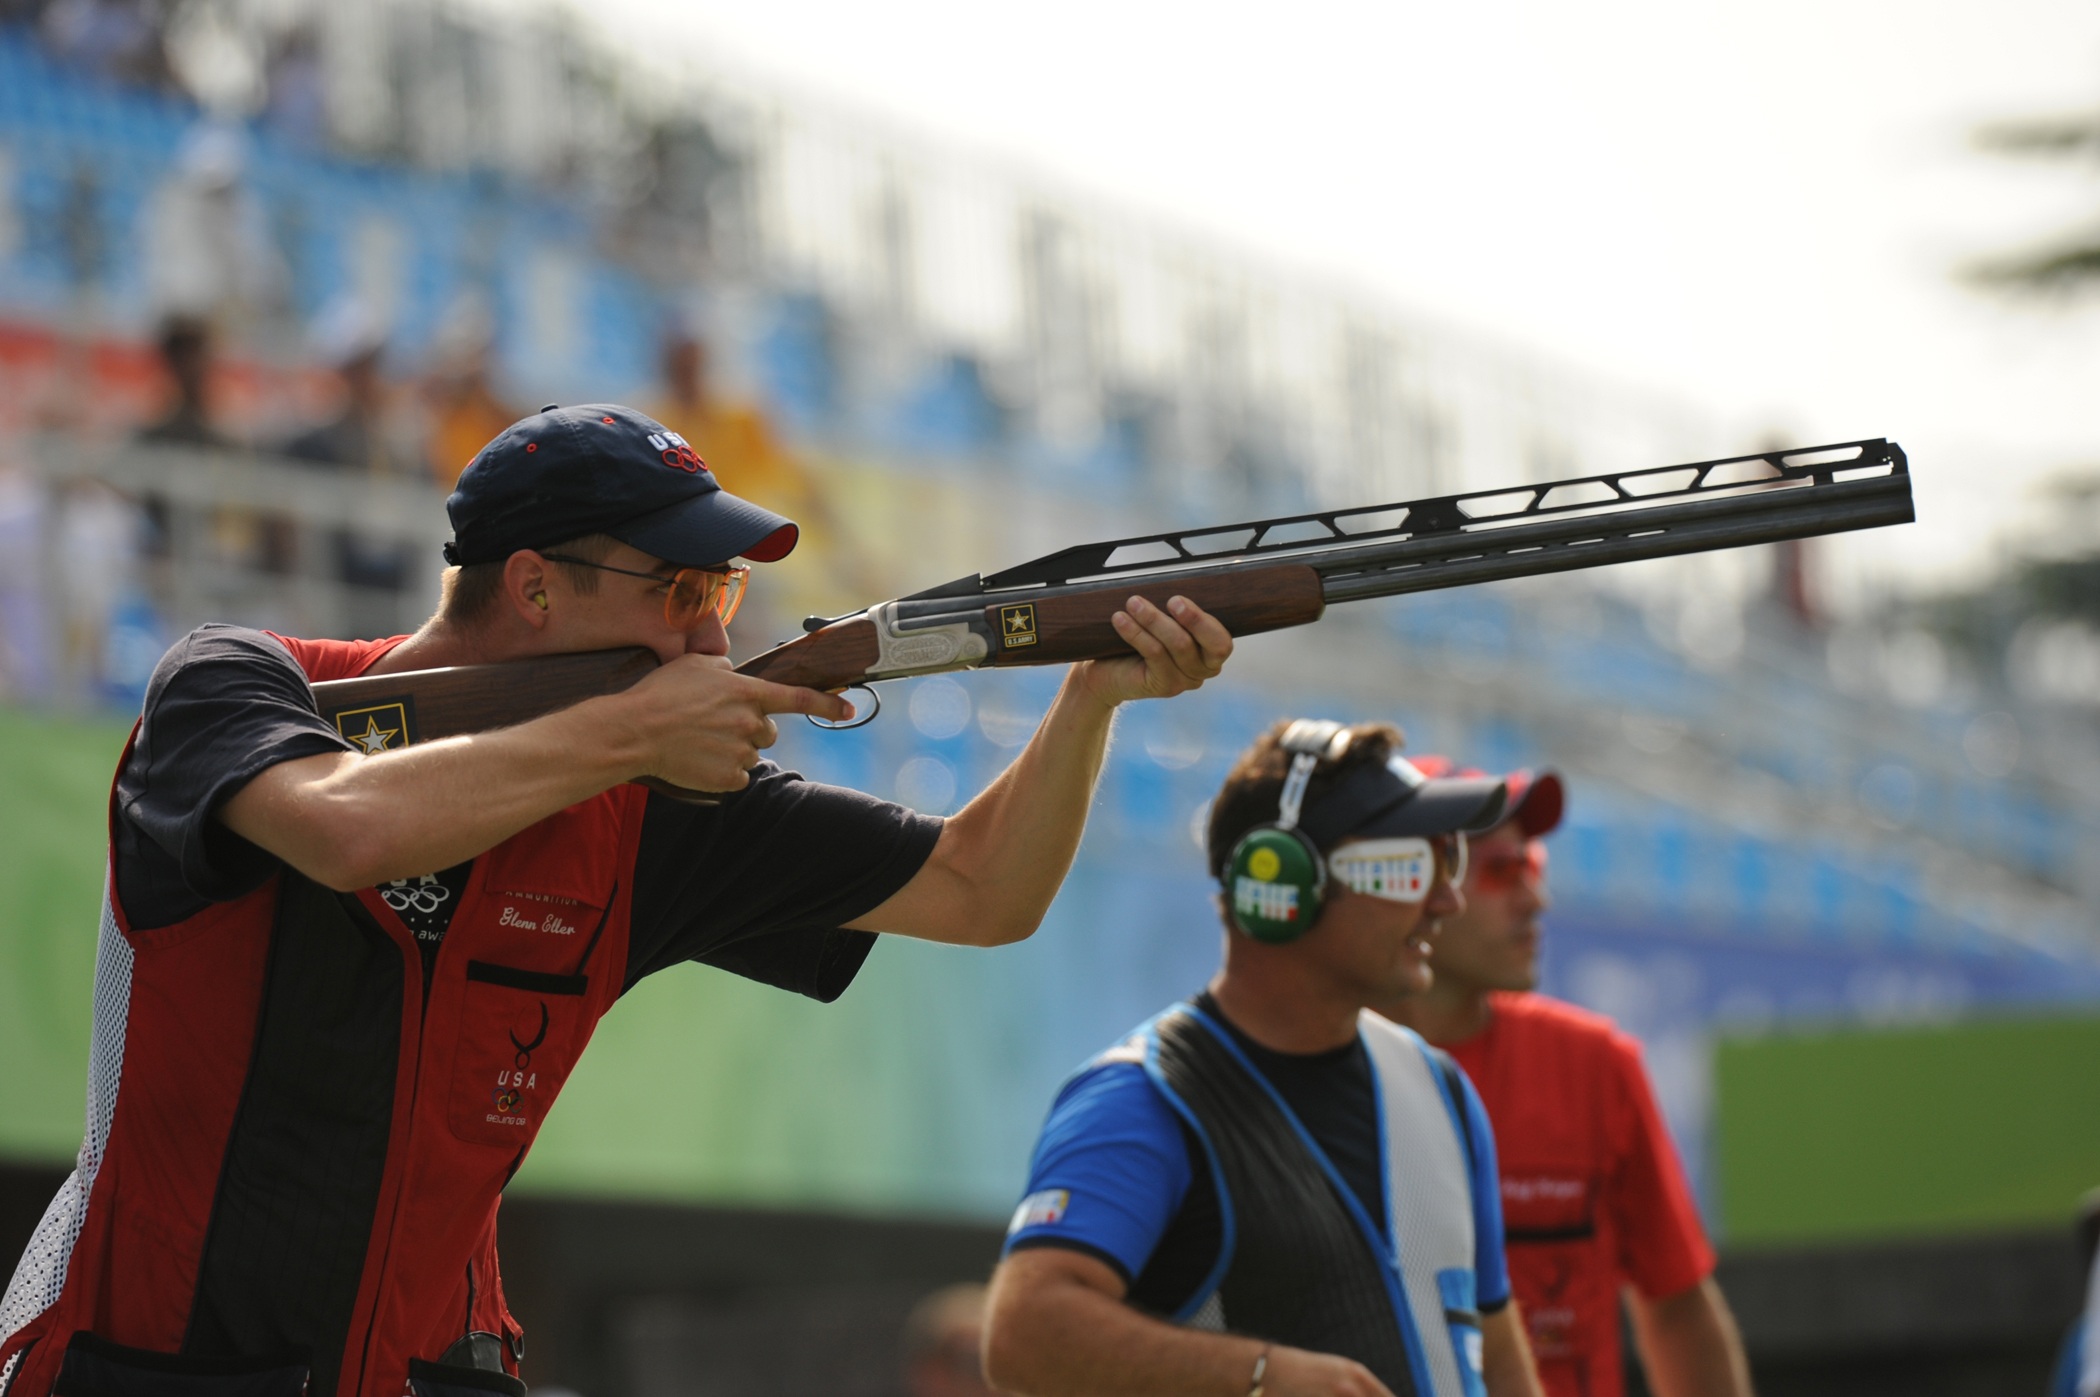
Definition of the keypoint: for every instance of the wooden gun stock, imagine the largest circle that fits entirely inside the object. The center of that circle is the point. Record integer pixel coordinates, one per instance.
(1074, 624)
(423, 705)
(1046, 626)
(840, 654)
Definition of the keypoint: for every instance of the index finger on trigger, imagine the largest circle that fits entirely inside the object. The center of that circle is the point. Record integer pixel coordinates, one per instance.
(792, 698)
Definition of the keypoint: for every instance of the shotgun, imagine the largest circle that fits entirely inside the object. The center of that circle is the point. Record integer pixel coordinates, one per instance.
(1257, 576)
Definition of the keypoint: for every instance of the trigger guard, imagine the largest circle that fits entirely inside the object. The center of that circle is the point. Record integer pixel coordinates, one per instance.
(859, 720)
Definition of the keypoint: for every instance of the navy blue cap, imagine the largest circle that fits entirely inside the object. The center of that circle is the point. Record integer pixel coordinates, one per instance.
(1395, 799)
(604, 469)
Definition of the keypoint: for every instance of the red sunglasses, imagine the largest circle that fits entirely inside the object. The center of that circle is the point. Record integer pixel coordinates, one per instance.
(1501, 870)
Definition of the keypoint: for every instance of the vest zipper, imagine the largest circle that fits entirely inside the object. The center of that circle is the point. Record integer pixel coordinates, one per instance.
(414, 955)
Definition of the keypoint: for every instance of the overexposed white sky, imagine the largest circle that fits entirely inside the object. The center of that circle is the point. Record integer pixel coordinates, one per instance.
(1754, 205)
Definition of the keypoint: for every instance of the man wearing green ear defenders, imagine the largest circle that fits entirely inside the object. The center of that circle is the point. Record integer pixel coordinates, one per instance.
(1266, 1190)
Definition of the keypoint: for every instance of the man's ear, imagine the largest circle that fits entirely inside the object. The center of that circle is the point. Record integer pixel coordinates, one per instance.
(525, 591)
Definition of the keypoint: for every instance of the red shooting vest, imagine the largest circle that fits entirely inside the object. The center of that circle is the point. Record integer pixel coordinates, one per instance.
(293, 1143)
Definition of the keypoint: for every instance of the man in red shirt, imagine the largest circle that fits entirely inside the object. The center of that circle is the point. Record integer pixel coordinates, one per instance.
(340, 981)
(1592, 1191)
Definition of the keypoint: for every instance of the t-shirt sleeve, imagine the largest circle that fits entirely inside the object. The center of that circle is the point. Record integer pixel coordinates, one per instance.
(223, 705)
(1663, 1246)
(762, 883)
(1110, 1171)
(1490, 1260)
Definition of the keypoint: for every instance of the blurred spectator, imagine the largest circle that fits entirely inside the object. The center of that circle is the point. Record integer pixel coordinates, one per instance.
(25, 654)
(83, 233)
(829, 571)
(465, 412)
(734, 439)
(240, 537)
(217, 55)
(186, 354)
(941, 1343)
(1793, 587)
(351, 340)
(297, 104)
(671, 223)
(209, 253)
(118, 39)
(94, 541)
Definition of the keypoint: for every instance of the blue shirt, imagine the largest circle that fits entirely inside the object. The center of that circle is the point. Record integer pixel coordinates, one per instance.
(1115, 1169)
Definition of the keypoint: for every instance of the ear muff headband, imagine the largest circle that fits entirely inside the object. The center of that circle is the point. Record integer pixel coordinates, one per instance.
(1275, 879)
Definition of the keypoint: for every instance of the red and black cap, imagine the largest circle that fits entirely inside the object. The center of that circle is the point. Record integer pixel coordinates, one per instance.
(1537, 799)
(604, 469)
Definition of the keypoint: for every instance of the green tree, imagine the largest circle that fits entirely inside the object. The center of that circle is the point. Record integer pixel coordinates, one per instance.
(2063, 262)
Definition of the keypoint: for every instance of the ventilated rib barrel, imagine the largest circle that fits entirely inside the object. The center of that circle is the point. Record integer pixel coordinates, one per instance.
(1490, 553)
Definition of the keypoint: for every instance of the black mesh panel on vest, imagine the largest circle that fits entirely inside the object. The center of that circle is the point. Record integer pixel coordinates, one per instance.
(1302, 1272)
(299, 1187)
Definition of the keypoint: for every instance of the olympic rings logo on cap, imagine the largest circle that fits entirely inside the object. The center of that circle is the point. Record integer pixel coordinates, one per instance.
(676, 453)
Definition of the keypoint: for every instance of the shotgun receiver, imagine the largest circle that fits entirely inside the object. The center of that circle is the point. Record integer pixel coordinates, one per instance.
(1257, 576)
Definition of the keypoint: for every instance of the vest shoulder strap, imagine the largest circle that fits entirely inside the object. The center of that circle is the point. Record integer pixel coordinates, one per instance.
(1429, 1186)
(1455, 1094)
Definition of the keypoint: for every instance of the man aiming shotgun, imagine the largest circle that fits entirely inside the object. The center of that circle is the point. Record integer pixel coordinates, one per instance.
(341, 979)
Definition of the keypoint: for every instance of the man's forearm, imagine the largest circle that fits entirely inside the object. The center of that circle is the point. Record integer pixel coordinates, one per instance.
(1506, 1365)
(350, 821)
(1069, 1341)
(1000, 860)
(1057, 1326)
(1009, 849)
(1689, 1343)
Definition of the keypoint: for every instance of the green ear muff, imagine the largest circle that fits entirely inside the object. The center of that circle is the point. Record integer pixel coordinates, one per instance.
(1276, 882)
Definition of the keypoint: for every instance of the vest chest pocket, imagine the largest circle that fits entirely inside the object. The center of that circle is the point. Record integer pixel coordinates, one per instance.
(517, 1037)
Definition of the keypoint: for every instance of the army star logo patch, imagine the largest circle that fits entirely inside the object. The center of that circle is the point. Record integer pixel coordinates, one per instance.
(1017, 625)
(376, 729)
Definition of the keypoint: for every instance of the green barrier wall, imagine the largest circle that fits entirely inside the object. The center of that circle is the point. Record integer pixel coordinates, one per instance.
(1862, 1134)
(921, 1090)
(54, 790)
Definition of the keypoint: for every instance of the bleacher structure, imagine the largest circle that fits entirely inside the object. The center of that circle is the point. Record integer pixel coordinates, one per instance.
(978, 372)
